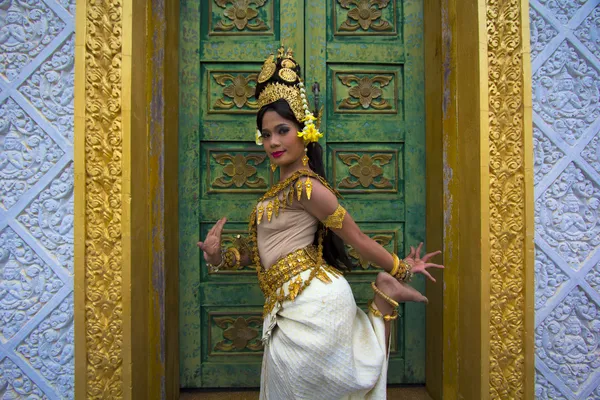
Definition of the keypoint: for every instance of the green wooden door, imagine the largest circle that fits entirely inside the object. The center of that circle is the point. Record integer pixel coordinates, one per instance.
(368, 62)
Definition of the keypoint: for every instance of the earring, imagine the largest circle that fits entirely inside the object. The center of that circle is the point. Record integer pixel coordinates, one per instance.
(305, 158)
(273, 167)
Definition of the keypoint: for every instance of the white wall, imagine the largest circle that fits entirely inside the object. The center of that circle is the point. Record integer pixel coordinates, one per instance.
(36, 198)
(565, 45)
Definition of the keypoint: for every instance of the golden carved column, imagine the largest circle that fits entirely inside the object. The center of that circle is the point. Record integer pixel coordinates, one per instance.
(511, 186)
(113, 354)
(480, 156)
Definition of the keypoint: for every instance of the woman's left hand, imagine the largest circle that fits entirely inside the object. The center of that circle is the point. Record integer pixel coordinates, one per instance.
(419, 265)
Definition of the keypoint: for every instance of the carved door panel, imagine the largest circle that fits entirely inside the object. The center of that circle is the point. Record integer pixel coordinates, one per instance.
(369, 64)
(224, 43)
(367, 125)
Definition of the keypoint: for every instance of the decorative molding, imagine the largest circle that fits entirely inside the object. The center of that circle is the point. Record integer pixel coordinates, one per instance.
(366, 171)
(102, 224)
(240, 17)
(372, 92)
(507, 199)
(364, 17)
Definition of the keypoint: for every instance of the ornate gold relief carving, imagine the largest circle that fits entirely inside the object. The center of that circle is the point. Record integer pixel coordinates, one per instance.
(365, 171)
(103, 148)
(365, 15)
(239, 16)
(238, 172)
(507, 200)
(382, 238)
(239, 333)
(366, 93)
(237, 91)
(228, 238)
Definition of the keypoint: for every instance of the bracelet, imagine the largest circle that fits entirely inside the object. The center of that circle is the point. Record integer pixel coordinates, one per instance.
(215, 268)
(394, 270)
(378, 313)
(387, 298)
(401, 270)
(236, 255)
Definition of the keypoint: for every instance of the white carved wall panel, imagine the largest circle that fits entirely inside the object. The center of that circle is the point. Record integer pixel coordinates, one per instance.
(36, 199)
(565, 55)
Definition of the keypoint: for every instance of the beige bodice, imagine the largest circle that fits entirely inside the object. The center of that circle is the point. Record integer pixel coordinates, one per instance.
(294, 228)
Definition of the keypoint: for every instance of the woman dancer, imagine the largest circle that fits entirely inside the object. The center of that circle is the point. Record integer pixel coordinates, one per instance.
(318, 343)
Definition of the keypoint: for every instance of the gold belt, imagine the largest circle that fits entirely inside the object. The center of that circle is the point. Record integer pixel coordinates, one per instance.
(285, 269)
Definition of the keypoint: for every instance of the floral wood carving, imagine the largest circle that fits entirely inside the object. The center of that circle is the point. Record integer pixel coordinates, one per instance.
(365, 92)
(364, 14)
(238, 89)
(238, 171)
(364, 171)
(103, 200)
(228, 239)
(507, 374)
(381, 239)
(240, 15)
(240, 333)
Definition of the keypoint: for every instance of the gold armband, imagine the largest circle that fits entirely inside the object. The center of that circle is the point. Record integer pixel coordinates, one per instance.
(336, 219)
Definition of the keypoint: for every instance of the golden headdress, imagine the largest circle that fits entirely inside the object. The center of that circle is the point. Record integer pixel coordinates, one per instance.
(281, 74)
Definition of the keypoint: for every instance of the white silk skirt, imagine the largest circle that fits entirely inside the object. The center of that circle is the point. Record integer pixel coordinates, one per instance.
(322, 346)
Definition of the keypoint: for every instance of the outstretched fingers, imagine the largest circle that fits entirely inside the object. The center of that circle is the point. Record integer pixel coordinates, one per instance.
(427, 256)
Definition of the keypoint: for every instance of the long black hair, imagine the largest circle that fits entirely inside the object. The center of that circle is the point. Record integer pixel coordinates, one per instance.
(334, 251)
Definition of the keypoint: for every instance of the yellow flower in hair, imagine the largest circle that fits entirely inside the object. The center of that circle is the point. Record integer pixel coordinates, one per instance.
(258, 138)
(309, 118)
(310, 134)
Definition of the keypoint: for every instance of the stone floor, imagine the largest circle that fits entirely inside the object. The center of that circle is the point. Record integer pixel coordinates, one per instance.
(399, 393)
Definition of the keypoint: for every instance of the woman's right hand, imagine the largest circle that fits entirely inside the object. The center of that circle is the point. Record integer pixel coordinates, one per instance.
(212, 244)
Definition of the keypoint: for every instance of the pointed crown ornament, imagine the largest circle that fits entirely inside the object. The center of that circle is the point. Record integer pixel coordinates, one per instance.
(286, 84)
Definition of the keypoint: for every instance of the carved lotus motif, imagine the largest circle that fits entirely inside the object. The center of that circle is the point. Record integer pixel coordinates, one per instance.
(240, 91)
(236, 87)
(239, 171)
(365, 92)
(240, 13)
(364, 169)
(364, 14)
(240, 333)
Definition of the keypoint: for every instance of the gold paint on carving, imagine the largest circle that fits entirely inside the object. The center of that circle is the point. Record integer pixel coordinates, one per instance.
(508, 226)
(239, 170)
(383, 240)
(100, 129)
(365, 170)
(228, 239)
(239, 333)
(240, 16)
(364, 14)
(365, 92)
(238, 89)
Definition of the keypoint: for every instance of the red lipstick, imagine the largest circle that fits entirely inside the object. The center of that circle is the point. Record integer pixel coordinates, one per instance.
(277, 154)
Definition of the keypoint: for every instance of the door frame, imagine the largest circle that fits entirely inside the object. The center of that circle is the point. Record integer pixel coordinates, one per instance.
(460, 56)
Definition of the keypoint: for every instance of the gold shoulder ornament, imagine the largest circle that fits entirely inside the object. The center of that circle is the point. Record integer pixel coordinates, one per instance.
(336, 219)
